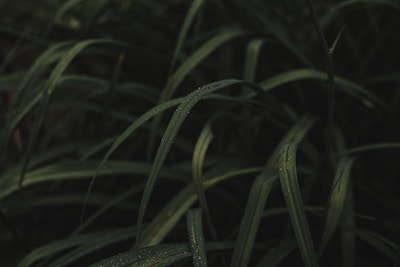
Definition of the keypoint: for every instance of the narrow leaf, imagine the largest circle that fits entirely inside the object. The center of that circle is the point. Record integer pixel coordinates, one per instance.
(294, 202)
(336, 201)
(196, 238)
(252, 216)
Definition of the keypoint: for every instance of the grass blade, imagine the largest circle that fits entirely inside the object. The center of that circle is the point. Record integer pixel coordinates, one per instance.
(167, 218)
(347, 231)
(278, 253)
(295, 135)
(47, 92)
(351, 88)
(196, 238)
(380, 243)
(70, 170)
(252, 55)
(336, 201)
(371, 147)
(99, 239)
(173, 127)
(252, 216)
(191, 14)
(294, 202)
(186, 67)
(161, 255)
(199, 153)
(195, 59)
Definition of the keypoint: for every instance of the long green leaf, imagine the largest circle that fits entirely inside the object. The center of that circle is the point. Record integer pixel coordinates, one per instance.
(161, 255)
(191, 14)
(196, 238)
(278, 253)
(199, 153)
(186, 67)
(48, 91)
(167, 218)
(252, 56)
(295, 135)
(195, 59)
(258, 195)
(367, 98)
(173, 127)
(294, 202)
(72, 170)
(95, 240)
(336, 201)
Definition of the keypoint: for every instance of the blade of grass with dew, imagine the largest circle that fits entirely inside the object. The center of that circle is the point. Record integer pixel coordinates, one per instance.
(252, 55)
(199, 154)
(181, 73)
(351, 88)
(196, 238)
(172, 129)
(104, 237)
(191, 14)
(125, 134)
(137, 123)
(47, 92)
(278, 253)
(195, 59)
(161, 255)
(156, 256)
(336, 201)
(167, 218)
(295, 135)
(258, 195)
(294, 202)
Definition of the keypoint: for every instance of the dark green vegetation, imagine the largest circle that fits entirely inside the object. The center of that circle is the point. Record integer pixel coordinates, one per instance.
(199, 133)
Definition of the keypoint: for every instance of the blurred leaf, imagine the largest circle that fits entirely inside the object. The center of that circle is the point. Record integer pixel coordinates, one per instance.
(93, 241)
(371, 147)
(194, 9)
(343, 84)
(380, 243)
(278, 253)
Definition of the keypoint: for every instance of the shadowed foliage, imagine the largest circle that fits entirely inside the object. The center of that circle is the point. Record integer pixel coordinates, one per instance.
(199, 133)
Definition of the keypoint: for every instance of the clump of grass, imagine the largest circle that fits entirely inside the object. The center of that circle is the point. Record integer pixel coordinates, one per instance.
(230, 134)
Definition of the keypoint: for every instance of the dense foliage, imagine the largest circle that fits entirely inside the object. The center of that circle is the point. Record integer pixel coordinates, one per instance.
(199, 133)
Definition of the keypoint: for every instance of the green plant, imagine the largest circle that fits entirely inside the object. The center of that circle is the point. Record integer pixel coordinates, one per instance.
(237, 134)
